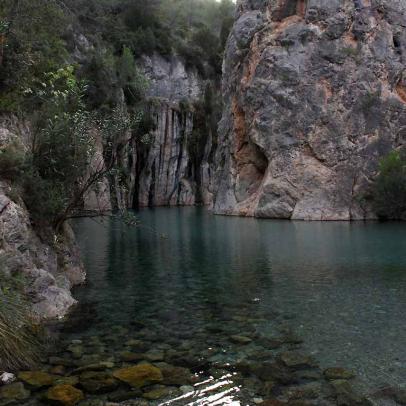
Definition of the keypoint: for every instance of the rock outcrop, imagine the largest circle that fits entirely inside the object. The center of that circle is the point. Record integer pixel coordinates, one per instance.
(48, 268)
(315, 94)
(167, 174)
(159, 169)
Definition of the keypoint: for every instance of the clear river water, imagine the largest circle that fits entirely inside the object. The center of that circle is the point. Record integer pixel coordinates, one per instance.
(211, 293)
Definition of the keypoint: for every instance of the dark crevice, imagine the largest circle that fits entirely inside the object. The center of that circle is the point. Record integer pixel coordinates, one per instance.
(290, 8)
(177, 186)
(397, 44)
(151, 194)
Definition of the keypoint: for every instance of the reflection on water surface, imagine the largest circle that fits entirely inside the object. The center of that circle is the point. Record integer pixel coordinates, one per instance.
(191, 287)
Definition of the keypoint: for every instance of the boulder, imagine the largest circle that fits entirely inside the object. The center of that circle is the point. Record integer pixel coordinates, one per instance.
(64, 395)
(98, 382)
(139, 375)
(15, 391)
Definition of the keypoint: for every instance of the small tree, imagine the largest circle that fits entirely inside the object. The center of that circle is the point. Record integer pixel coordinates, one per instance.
(130, 78)
(389, 191)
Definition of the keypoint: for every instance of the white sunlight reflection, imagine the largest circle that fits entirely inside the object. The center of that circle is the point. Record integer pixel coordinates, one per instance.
(224, 397)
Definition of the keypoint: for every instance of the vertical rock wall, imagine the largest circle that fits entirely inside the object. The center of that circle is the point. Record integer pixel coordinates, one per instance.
(314, 94)
(160, 169)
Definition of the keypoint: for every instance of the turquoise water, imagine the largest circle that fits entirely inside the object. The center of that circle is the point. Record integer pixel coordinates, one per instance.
(184, 275)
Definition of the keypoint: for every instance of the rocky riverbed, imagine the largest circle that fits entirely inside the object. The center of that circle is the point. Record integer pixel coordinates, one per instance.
(167, 362)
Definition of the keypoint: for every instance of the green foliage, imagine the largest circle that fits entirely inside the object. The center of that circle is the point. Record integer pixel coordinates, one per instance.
(50, 174)
(130, 78)
(20, 343)
(101, 79)
(33, 43)
(12, 160)
(389, 191)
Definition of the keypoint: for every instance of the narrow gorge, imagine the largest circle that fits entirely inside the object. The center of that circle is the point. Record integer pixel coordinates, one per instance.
(151, 152)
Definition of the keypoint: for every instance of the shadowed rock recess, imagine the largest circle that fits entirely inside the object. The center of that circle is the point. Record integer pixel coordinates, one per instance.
(315, 94)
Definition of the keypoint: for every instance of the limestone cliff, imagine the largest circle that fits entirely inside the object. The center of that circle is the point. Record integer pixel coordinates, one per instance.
(314, 93)
(48, 267)
(159, 170)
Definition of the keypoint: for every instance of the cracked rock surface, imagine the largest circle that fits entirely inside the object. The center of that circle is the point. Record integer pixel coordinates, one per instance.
(315, 94)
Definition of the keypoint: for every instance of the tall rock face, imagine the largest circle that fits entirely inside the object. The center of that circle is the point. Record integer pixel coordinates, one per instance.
(160, 169)
(315, 94)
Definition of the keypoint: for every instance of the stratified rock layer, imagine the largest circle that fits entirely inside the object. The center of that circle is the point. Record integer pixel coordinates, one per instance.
(315, 93)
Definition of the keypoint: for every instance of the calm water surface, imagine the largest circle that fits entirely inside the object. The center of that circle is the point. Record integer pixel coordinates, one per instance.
(340, 286)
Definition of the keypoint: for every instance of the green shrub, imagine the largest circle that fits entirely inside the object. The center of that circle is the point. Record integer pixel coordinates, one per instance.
(131, 80)
(389, 190)
(12, 160)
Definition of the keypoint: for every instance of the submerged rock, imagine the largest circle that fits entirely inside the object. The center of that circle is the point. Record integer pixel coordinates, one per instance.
(128, 356)
(173, 375)
(14, 391)
(99, 366)
(295, 359)
(158, 393)
(64, 395)
(139, 375)
(37, 379)
(346, 395)
(98, 382)
(240, 339)
(67, 380)
(338, 373)
(185, 389)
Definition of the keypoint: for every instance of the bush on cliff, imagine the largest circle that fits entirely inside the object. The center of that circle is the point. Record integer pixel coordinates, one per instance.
(389, 191)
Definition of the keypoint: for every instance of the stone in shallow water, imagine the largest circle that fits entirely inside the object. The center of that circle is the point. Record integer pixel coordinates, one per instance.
(67, 380)
(158, 392)
(64, 395)
(272, 371)
(139, 375)
(98, 382)
(186, 389)
(237, 339)
(307, 391)
(338, 373)
(295, 359)
(137, 344)
(346, 395)
(60, 361)
(76, 351)
(58, 370)
(173, 375)
(14, 391)
(154, 356)
(122, 395)
(99, 366)
(128, 356)
(36, 379)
